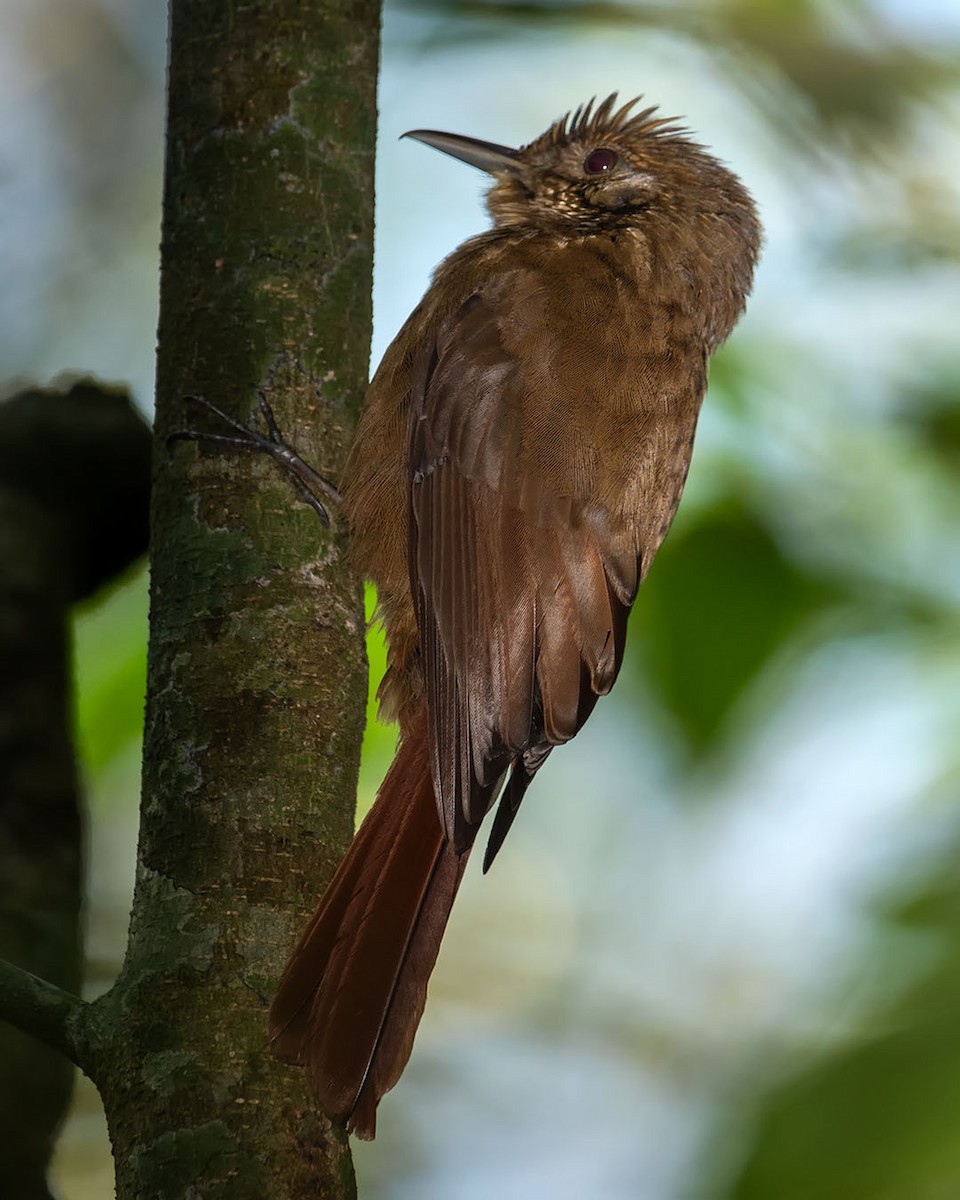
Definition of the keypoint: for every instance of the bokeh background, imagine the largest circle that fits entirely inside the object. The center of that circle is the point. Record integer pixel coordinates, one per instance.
(719, 958)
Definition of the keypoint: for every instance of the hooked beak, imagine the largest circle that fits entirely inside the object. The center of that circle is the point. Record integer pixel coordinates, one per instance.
(488, 156)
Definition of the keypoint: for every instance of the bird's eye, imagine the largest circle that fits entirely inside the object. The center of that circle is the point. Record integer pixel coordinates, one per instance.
(598, 161)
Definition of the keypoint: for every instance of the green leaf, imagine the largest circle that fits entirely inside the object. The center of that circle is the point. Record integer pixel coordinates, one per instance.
(379, 740)
(110, 671)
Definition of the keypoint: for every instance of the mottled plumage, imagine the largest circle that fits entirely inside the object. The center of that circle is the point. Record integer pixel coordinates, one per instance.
(519, 460)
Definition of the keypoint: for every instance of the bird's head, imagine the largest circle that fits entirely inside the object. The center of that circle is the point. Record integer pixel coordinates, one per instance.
(598, 168)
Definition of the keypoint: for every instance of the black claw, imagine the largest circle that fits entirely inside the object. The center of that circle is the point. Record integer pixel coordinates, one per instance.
(264, 405)
(303, 477)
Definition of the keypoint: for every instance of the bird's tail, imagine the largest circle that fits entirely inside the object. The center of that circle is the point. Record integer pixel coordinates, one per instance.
(353, 990)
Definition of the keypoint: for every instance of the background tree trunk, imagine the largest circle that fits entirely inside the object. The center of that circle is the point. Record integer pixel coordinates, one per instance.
(74, 497)
(256, 689)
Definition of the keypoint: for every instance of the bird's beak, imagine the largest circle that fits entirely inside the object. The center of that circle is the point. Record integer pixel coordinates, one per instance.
(488, 156)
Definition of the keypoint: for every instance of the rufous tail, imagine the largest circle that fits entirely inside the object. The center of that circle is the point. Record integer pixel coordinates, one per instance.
(353, 990)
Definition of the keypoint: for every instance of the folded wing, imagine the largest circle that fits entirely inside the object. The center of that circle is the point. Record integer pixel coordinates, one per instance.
(522, 593)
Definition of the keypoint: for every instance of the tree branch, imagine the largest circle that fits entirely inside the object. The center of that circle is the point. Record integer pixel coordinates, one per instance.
(43, 1010)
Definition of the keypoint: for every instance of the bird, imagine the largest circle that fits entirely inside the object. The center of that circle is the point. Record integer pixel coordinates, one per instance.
(518, 460)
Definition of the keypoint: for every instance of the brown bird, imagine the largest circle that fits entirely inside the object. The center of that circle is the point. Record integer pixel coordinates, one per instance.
(519, 459)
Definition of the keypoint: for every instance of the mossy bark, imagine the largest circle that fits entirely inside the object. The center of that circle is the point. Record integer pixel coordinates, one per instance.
(256, 681)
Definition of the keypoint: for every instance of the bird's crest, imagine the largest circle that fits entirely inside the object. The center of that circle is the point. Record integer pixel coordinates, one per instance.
(591, 120)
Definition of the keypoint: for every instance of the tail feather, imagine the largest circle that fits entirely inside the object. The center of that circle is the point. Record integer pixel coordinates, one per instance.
(353, 991)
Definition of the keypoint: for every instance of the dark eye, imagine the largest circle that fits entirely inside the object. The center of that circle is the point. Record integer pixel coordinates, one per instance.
(598, 161)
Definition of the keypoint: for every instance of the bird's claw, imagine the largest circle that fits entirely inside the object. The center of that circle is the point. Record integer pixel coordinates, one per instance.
(306, 481)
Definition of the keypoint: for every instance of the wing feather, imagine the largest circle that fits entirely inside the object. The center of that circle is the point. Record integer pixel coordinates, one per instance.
(521, 595)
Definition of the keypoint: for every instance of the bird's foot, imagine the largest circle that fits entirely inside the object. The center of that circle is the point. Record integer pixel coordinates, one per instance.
(309, 484)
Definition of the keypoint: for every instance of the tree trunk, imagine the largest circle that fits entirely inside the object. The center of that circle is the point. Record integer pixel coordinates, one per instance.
(256, 687)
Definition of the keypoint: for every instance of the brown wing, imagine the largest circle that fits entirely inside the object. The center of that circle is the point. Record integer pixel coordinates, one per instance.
(521, 594)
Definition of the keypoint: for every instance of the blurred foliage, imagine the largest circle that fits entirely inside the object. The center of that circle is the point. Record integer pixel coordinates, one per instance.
(841, 57)
(879, 1118)
(110, 664)
(721, 600)
(933, 413)
(851, 67)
